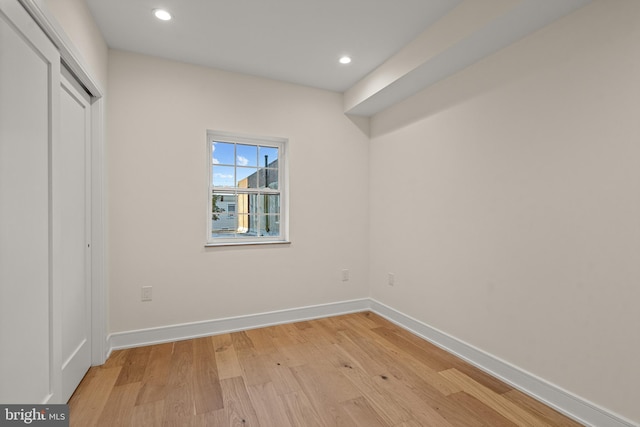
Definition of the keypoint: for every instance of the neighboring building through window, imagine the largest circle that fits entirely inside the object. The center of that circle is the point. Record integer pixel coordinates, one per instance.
(246, 189)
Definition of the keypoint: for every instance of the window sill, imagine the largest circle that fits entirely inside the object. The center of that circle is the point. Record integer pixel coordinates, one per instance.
(252, 243)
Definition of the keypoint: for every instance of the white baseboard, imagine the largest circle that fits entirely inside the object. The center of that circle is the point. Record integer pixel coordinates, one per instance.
(563, 401)
(184, 331)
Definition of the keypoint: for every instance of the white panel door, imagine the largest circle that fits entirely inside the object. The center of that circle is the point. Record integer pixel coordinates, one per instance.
(72, 159)
(29, 90)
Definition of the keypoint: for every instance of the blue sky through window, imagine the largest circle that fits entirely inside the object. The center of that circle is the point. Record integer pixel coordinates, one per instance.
(222, 153)
(234, 162)
(246, 155)
(270, 152)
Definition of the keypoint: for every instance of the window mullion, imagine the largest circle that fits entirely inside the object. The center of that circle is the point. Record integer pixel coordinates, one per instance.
(235, 165)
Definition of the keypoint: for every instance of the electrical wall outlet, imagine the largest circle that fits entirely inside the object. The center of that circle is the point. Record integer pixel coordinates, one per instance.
(392, 279)
(345, 275)
(147, 293)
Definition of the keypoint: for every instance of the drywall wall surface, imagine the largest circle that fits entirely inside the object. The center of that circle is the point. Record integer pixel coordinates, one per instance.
(515, 191)
(78, 24)
(158, 115)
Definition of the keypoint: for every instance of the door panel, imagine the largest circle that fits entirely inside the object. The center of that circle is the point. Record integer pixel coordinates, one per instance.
(72, 193)
(29, 85)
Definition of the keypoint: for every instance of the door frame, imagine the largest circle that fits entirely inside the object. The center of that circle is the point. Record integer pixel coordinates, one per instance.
(73, 60)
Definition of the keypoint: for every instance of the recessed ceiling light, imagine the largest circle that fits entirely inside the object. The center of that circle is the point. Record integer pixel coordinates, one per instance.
(345, 59)
(162, 14)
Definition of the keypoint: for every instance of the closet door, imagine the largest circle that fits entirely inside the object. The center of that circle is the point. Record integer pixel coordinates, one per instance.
(29, 91)
(72, 193)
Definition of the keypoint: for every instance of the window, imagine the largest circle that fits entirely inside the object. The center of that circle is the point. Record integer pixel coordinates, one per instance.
(246, 196)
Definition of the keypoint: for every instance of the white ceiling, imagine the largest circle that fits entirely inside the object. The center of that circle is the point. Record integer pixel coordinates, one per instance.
(300, 41)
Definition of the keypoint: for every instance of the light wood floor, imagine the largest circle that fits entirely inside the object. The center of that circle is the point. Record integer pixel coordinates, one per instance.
(352, 370)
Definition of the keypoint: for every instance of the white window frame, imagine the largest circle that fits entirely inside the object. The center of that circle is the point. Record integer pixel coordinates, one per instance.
(282, 191)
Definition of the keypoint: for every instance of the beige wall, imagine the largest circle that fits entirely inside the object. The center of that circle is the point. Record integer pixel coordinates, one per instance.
(158, 114)
(76, 21)
(522, 173)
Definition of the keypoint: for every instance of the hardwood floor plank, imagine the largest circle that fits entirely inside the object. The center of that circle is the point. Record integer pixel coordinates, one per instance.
(254, 368)
(226, 357)
(148, 414)
(362, 413)
(548, 414)
(324, 394)
(382, 402)
(481, 377)
(493, 400)
(179, 402)
(317, 333)
(326, 381)
(270, 409)
(302, 325)
(134, 365)
(349, 353)
(300, 411)
(237, 404)
(116, 359)
(431, 358)
(329, 327)
(485, 415)
(419, 379)
(89, 400)
(261, 340)
(358, 323)
(213, 419)
(118, 410)
(455, 414)
(289, 330)
(207, 391)
(437, 358)
(404, 367)
(418, 408)
(295, 354)
(282, 378)
(156, 374)
(242, 342)
(410, 423)
(383, 359)
(379, 321)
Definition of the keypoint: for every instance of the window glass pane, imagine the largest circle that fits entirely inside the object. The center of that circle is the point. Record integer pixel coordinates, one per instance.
(222, 204)
(269, 225)
(244, 223)
(248, 225)
(267, 204)
(271, 203)
(222, 153)
(268, 178)
(223, 219)
(256, 203)
(271, 160)
(223, 176)
(247, 177)
(221, 233)
(243, 206)
(246, 155)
